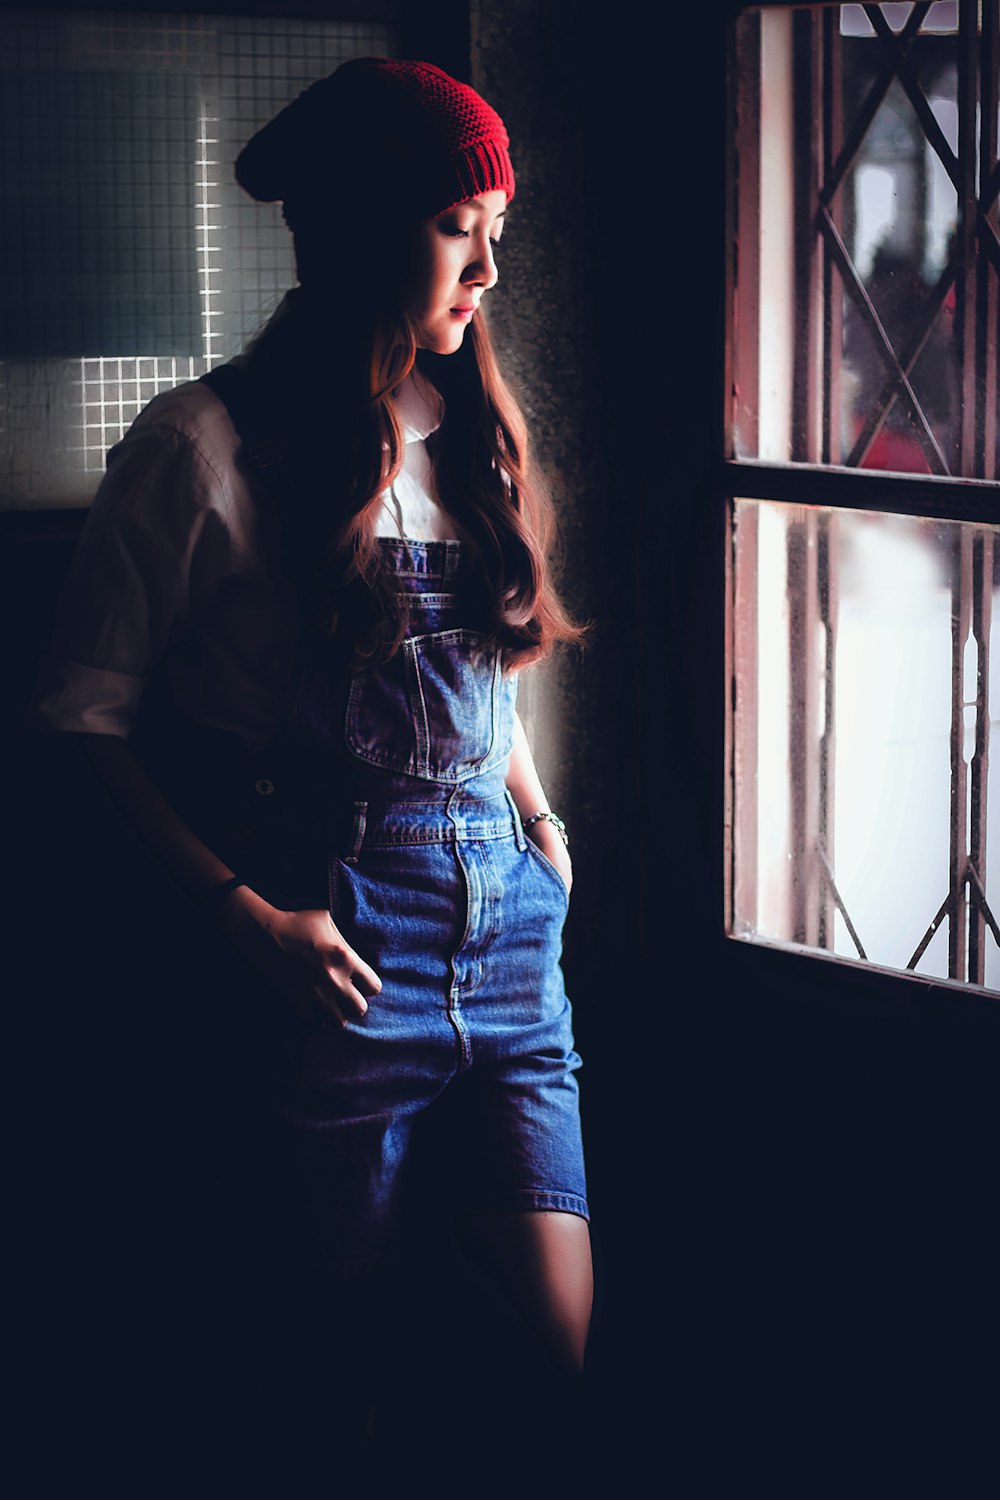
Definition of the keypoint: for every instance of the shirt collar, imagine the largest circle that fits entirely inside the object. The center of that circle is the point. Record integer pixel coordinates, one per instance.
(420, 407)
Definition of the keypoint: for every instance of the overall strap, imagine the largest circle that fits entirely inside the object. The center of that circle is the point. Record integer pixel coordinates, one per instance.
(234, 388)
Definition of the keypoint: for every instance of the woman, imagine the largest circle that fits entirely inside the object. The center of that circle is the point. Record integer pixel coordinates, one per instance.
(290, 644)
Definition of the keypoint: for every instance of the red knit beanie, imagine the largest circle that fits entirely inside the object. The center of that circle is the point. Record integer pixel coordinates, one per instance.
(377, 132)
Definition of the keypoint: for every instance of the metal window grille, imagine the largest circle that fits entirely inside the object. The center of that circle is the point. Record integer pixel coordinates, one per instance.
(790, 409)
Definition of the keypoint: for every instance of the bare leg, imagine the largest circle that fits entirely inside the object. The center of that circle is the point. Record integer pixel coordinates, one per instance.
(542, 1260)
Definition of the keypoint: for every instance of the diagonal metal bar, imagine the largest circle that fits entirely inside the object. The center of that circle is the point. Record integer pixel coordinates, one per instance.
(886, 398)
(980, 897)
(856, 134)
(907, 77)
(928, 120)
(943, 910)
(914, 20)
(870, 107)
(865, 306)
(838, 901)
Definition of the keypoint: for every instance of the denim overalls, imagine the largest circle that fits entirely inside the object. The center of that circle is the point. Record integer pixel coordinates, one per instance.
(432, 880)
(385, 797)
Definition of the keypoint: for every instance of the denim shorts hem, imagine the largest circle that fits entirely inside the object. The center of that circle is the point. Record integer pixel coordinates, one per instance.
(534, 1200)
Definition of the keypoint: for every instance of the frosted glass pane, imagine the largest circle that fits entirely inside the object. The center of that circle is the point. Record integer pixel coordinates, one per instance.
(846, 669)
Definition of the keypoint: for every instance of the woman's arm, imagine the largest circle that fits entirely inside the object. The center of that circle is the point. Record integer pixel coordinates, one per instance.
(302, 953)
(524, 785)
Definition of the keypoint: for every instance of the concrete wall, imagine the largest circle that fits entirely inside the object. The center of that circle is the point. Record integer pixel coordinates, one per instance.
(523, 60)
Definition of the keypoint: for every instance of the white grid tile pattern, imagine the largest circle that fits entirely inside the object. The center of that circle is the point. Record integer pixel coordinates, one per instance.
(58, 417)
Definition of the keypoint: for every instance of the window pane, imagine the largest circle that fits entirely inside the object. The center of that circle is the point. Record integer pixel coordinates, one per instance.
(866, 737)
(866, 310)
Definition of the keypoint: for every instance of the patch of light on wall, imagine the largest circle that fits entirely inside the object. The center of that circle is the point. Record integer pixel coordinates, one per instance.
(114, 391)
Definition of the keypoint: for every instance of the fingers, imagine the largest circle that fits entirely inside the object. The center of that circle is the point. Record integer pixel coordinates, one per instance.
(310, 962)
(365, 979)
(352, 984)
(335, 1002)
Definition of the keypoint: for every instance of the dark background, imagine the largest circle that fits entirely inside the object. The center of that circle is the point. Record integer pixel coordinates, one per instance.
(794, 1176)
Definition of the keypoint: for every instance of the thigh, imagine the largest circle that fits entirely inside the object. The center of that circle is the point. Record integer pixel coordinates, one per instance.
(543, 1261)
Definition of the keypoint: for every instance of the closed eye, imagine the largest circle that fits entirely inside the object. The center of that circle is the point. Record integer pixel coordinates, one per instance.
(463, 234)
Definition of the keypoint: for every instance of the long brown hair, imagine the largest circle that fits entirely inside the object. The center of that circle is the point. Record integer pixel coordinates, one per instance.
(346, 439)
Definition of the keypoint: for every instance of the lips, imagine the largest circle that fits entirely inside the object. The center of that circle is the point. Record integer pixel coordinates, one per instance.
(462, 312)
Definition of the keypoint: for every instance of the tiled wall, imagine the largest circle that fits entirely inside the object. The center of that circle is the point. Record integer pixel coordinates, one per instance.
(132, 259)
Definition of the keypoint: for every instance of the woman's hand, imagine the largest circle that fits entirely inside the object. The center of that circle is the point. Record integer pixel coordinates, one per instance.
(303, 954)
(300, 953)
(549, 840)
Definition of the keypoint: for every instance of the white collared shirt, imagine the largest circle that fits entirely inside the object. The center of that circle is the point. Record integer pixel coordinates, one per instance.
(175, 573)
(412, 508)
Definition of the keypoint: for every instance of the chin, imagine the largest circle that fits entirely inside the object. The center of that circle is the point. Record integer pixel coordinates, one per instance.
(448, 342)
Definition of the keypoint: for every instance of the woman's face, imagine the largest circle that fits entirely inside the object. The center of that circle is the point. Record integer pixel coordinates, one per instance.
(454, 267)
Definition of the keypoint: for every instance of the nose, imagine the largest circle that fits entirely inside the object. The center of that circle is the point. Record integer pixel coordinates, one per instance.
(482, 268)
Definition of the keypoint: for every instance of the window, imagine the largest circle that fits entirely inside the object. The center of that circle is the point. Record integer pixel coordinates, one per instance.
(863, 754)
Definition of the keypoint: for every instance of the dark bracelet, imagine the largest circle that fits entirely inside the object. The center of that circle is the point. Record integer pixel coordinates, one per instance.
(218, 893)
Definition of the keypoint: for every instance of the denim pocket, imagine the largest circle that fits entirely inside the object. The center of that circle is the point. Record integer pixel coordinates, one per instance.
(549, 868)
(439, 709)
